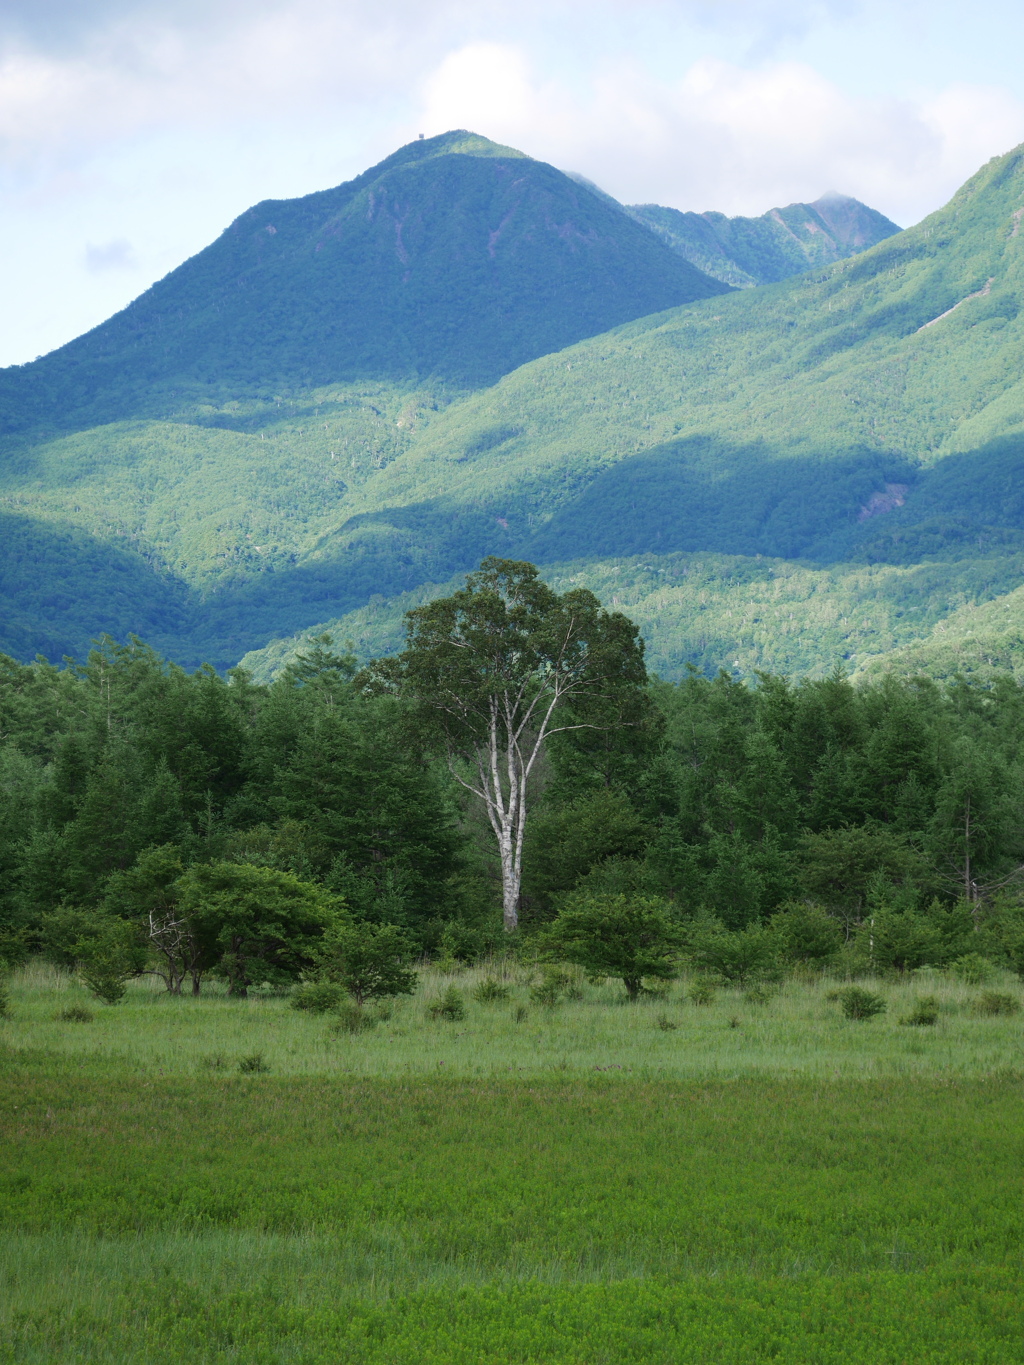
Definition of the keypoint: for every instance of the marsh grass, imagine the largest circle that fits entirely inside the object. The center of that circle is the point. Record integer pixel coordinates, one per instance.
(797, 1030)
(259, 1220)
(601, 1181)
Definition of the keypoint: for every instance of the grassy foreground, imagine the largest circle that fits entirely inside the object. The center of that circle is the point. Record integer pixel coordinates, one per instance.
(155, 1207)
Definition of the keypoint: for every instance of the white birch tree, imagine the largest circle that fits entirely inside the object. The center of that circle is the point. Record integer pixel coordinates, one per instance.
(498, 668)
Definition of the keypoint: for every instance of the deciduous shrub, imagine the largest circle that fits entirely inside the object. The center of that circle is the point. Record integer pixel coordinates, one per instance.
(971, 968)
(630, 937)
(253, 1064)
(556, 984)
(262, 923)
(489, 991)
(451, 1006)
(703, 990)
(740, 956)
(370, 961)
(857, 1003)
(109, 961)
(997, 1002)
(924, 1013)
(318, 997)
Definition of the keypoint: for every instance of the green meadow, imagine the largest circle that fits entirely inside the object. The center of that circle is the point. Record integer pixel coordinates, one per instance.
(753, 1179)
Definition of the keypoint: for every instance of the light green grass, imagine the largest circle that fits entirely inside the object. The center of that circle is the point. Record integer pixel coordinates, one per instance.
(584, 1188)
(797, 1032)
(581, 1220)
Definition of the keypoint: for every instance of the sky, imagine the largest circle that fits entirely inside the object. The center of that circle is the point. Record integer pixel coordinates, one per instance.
(132, 132)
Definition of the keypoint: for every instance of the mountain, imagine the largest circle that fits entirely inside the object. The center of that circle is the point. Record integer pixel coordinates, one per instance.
(822, 469)
(782, 242)
(453, 260)
(870, 413)
(770, 421)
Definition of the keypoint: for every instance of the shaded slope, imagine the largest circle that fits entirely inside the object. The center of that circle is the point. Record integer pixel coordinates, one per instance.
(61, 588)
(907, 353)
(454, 258)
(778, 244)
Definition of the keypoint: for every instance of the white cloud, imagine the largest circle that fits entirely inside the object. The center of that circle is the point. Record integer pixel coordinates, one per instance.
(726, 137)
(115, 255)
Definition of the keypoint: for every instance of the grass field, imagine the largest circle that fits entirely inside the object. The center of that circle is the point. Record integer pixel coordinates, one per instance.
(762, 1182)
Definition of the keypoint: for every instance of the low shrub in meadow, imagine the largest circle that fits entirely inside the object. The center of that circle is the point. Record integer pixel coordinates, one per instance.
(971, 968)
(350, 1017)
(490, 991)
(857, 1003)
(318, 997)
(924, 1013)
(450, 1007)
(74, 1014)
(997, 1003)
(703, 991)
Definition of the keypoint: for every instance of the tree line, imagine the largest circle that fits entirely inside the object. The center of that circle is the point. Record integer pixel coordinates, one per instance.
(512, 775)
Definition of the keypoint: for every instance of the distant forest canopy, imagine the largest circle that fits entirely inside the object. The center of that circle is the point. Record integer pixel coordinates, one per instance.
(799, 812)
(759, 614)
(860, 426)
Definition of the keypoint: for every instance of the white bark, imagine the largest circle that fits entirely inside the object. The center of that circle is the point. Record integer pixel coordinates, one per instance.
(517, 728)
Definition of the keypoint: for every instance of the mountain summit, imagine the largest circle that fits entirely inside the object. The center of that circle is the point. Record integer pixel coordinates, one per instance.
(454, 259)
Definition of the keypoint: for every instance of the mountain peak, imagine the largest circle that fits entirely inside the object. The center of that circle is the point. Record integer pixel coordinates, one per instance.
(456, 142)
(782, 242)
(455, 259)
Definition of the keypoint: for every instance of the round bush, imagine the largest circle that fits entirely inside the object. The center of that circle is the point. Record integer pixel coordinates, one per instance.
(857, 1003)
(924, 1014)
(451, 1006)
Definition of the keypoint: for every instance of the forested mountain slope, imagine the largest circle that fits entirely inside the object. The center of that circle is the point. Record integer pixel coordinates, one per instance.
(454, 259)
(871, 413)
(751, 614)
(780, 243)
(795, 419)
(867, 413)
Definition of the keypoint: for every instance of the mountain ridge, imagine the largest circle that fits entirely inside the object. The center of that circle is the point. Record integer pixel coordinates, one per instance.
(759, 422)
(454, 258)
(746, 252)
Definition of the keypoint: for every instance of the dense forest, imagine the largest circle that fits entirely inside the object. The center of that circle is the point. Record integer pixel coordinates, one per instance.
(870, 826)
